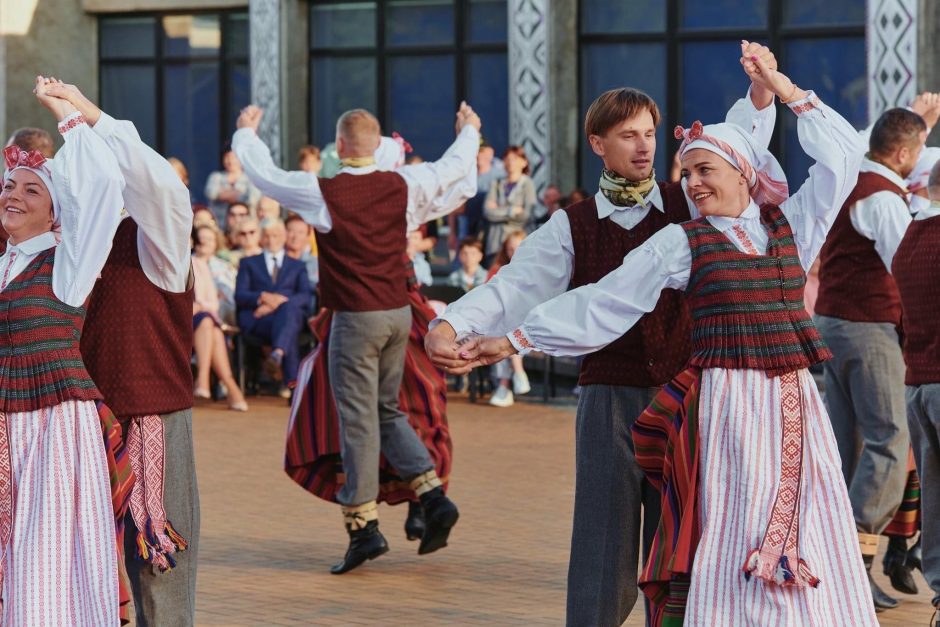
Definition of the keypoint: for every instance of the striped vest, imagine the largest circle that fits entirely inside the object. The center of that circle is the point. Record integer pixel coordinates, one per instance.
(40, 364)
(747, 310)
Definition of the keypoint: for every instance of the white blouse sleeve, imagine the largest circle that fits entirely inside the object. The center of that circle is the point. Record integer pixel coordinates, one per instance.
(592, 316)
(540, 269)
(438, 188)
(89, 186)
(298, 191)
(157, 200)
(760, 122)
(837, 149)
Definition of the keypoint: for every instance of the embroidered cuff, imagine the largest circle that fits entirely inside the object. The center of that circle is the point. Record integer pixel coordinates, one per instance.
(803, 106)
(521, 341)
(73, 120)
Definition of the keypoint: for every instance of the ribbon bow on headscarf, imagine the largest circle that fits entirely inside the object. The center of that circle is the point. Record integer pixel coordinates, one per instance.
(766, 180)
(16, 157)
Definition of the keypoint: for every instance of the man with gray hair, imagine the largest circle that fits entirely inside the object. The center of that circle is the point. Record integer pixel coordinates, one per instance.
(914, 268)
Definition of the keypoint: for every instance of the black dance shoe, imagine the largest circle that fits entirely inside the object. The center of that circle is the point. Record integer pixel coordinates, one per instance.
(440, 515)
(915, 556)
(367, 543)
(879, 596)
(896, 567)
(414, 524)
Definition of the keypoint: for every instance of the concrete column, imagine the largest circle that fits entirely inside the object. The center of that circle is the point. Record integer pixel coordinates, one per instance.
(891, 32)
(295, 89)
(265, 34)
(928, 54)
(566, 135)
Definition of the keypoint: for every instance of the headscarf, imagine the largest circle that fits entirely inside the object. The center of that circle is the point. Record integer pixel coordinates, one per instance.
(766, 181)
(15, 158)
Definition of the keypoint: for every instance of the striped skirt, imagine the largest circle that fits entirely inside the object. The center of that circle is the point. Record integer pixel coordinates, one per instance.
(312, 457)
(61, 564)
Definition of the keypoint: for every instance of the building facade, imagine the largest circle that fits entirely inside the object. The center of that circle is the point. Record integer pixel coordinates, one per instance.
(182, 69)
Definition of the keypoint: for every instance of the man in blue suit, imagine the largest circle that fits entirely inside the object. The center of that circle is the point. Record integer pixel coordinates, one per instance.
(273, 297)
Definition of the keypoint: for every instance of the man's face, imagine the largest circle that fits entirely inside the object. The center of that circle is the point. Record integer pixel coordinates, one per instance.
(551, 196)
(273, 238)
(908, 158)
(234, 216)
(298, 237)
(470, 258)
(628, 148)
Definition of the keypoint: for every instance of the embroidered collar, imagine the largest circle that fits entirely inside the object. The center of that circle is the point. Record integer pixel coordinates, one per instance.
(605, 208)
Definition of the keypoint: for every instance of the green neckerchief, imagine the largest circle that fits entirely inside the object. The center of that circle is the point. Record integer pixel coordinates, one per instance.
(624, 193)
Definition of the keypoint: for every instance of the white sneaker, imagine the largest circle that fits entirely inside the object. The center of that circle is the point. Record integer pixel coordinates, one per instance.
(502, 397)
(520, 383)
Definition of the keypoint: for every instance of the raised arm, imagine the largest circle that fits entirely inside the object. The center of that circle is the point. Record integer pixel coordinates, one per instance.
(298, 191)
(756, 111)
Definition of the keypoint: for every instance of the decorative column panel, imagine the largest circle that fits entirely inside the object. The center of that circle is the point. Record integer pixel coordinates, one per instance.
(529, 113)
(891, 34)
(265, 33)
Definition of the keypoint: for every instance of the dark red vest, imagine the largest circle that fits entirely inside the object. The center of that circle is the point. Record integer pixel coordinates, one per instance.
(139, 338)
(747, 310)
(853, 281)
(40, 363)
(915, 270)
(658, 346)
(360, 258)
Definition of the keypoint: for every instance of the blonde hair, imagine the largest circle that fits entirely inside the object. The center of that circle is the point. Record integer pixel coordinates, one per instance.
(360, 130)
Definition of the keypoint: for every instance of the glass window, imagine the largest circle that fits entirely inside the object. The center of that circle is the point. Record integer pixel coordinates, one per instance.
(830, 12)
(419, 22)
(635, 16)
(421, 92)
(712, 80)
(488, 93)
(602, 69)
(344, 25)
(830, 68)
(191, 35)
(724, 13)
(129, 92)
(127, 37)
(236, 36)
(488, 22)
(338, 84)
(239, 90)
(195, 118)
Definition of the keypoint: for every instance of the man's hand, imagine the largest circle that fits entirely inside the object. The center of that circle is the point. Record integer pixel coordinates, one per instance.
(65, 91)
(59, 107)
(927, 106)
(263, 310)
(250, 117)
(760, 96)
(442, 349)
(484, 351)
(762, 75)
(466, 116)
(272, 299)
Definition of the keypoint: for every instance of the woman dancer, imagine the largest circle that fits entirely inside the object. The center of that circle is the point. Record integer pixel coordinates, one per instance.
(57, 528)
(757, 528)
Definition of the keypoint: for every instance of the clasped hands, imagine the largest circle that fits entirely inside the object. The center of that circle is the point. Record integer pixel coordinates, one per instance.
(461, 357)
(268, 303)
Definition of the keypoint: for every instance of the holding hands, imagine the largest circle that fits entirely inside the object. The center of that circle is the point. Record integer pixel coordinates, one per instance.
(462, 357)
(762, 70)
(927, 106)
(466, 116)
(59, 107)
(250, 117)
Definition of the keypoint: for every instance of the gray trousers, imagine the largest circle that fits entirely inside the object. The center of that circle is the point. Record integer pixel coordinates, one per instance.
(169, 599)
(865, 397)
(609, 491)
(366, 362)
(923, 417)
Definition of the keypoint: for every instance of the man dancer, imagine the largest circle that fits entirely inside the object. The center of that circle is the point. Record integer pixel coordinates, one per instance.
(579, 245)
(137, 343)
(859, 314)
(914, 270)
(362, 217)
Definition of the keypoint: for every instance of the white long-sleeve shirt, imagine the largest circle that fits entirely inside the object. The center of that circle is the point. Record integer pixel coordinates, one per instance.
(882, 217)
(590, 317)
(543, 265)
(88, 185)
(157, 200)
(434, 189)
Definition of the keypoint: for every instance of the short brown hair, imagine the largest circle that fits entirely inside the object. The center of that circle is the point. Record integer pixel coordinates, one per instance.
(308, 151)
(29, 138)
(896, 128)
(614, 106)
(360, 129)
(519, 151)
(470, 242)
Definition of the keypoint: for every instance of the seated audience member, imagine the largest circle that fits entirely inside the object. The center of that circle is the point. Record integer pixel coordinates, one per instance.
(234, 216)
(247, 241)
(548, 204)
(203, 217)
(229, 185)
(576, 195)
(298, 247)
(268, 209)
(309, 160)
(210, 238)
(511, 368)
(273, 297)
(471, 273)
(180, 168)
(422, 268)
(208, 339)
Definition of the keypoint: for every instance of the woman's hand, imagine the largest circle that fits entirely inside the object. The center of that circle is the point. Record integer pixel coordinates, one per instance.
(250, 117)
(484, 351)
(762, 75)
(65, 91)
(60, 108)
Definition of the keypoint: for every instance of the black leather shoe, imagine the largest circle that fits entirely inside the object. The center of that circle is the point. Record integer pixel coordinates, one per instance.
(440, 515)
(896, 567)
(879, 596)
(414, 524)
(364, 544)
(914, 556)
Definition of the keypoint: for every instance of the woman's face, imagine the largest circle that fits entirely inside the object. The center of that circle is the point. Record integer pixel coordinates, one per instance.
(515, 164)
(26, 205)
(715, 186)
(231, 163)
(512, 244)
(206, 243)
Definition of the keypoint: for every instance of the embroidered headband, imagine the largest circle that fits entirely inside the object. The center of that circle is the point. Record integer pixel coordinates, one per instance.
(15, 158)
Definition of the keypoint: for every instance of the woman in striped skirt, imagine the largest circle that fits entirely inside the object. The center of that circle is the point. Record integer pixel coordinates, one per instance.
(756, 528)
(58, 550)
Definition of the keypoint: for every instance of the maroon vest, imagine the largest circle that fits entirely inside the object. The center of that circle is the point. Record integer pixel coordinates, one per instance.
(139, 338)
(658, 346)
(360, 258)
(915, 270)
(853, 281)
(747, 310)
(40, 364)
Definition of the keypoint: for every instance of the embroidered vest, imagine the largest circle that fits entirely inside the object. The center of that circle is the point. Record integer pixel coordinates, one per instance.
(747, 310)
(40, 362)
